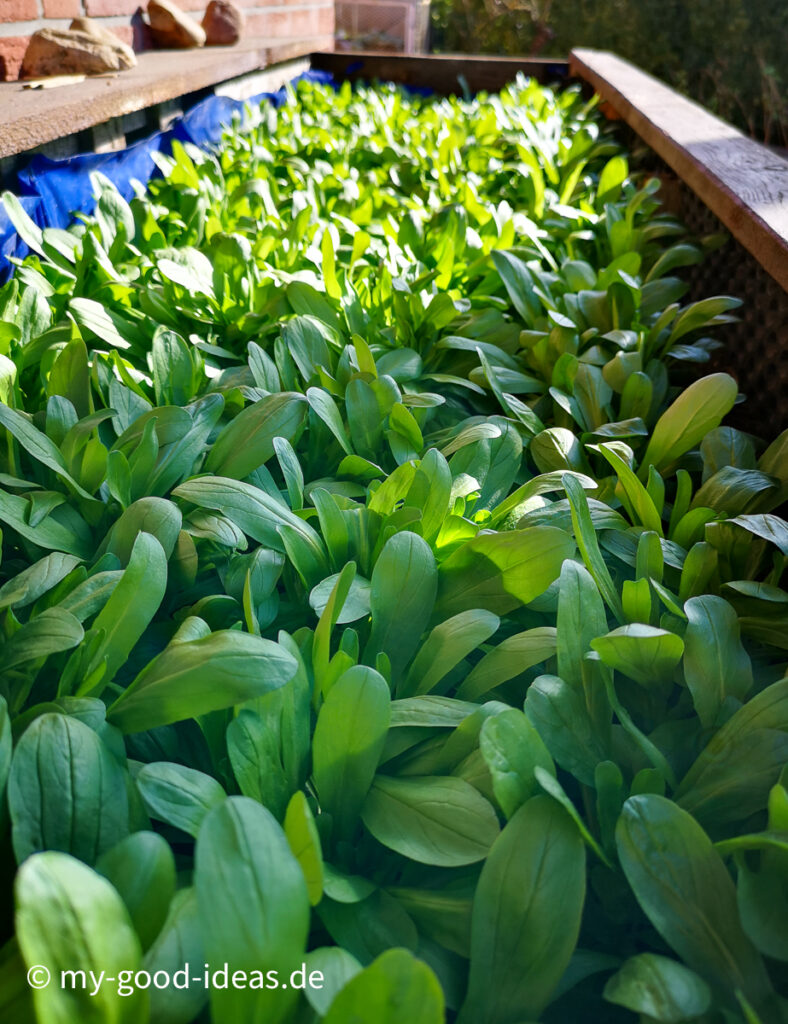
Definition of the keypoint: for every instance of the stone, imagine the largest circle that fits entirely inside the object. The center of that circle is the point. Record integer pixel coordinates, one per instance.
(53, 51)
(223, 23)
(94, 28)
(171, 28)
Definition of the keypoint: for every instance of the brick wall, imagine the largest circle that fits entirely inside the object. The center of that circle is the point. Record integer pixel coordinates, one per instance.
(276, 19)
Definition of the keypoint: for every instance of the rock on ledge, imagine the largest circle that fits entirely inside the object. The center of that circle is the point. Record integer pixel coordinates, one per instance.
(223, 23)
(53, 51)
(171, 28)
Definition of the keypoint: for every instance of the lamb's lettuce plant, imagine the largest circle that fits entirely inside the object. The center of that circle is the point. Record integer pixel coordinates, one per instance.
(374, 602)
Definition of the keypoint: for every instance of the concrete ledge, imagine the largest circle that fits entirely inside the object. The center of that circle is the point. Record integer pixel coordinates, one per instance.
(31, 118)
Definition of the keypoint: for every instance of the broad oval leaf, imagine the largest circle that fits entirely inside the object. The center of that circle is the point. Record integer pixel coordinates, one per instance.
(178, 795)
(660, 988)
(66, 791)
(686, 892)
(643, 653)
(348, 740)
(394, 988)
(195, 677)
(536, 865)
(141, 867)
(69, 918)
(686, 422)
(500, 571)
(716, 664)
(247, 441)
(440, 821)
(253, 907)
(404, 584)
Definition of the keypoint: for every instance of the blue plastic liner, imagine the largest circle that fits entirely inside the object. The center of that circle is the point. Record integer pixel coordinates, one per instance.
(53, 191)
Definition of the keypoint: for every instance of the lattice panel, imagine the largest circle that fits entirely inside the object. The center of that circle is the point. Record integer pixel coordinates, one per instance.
(755, 350)
(401, 26)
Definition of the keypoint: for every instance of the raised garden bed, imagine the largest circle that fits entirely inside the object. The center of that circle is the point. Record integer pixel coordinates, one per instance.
(382, 599)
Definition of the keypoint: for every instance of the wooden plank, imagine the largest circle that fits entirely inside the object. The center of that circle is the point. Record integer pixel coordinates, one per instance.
(439, 72)
(30, 118)
(744, 183)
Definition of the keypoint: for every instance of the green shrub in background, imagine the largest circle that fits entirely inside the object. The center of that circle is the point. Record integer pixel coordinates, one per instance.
(727, 54)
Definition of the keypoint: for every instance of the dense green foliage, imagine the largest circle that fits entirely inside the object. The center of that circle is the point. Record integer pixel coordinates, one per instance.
(728, 55)
(373, 598)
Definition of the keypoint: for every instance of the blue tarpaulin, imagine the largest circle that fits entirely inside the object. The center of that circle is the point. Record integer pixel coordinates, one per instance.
(52, 191)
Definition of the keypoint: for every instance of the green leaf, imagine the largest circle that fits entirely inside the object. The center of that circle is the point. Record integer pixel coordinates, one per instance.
(247, 442)
(581, 618)
(337, 967)
(141, 867)
(198, 676)
(355, 606)
(38, 445)
(585, 534)
(731, 778)
(178, 795)
(347, 744)
(325, 407)
(304, 841)
(512, 749)
(72, 536)
(123, 619)
(686, 422)
(255, 512)
(500, 571)
(660, 988)
(763, 904)
(685, 891)
(69, 918)
(394, 988)
(559, 713)
(716, 664)
(52, 631)
(26, 227)
(536, 864)
(446, 646)
(553, 788)
(509, 659)
(253, 749)
(769, 527)
(27, 586)
(155, 516)
(613, 176)
(66, 791)
(440, 821)
(518, 283)
(643, 653)
(404, 583)
(179, 942)
(645, 511)
(253, 908)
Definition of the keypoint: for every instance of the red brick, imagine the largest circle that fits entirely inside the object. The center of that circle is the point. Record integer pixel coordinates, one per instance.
(62, 8)
(125, 33)
(104, 8)
(291, 23)
(12, 50)
(108, 8)
(18, 10)
(326, 21)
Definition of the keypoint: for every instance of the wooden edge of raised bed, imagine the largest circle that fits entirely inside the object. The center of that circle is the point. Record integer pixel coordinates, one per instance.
(741, 181)
(442, 73)
(30, 118)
